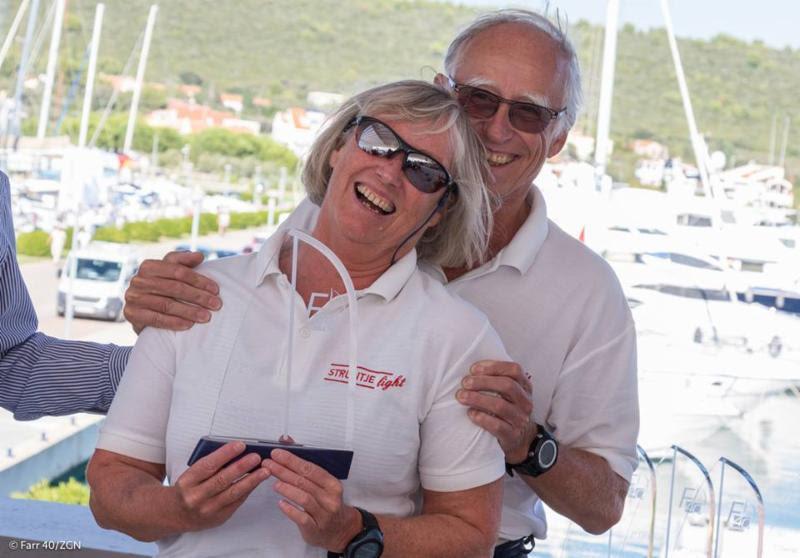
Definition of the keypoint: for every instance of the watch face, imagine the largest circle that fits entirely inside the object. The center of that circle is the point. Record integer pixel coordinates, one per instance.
(368, 549)
(547, 454)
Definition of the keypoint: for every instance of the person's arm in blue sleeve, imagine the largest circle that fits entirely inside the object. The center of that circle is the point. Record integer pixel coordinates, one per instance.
(42, 375)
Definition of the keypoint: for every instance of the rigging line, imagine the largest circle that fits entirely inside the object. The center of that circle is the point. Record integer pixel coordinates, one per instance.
(37, 44)
(13, 31)
(115, 94)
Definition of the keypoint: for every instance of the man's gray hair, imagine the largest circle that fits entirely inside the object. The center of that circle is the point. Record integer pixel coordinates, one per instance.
(461, 237)
(539, 22)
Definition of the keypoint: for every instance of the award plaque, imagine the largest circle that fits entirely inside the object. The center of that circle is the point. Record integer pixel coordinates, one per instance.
(335, 461)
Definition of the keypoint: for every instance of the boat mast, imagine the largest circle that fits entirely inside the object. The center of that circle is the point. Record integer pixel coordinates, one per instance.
(87, 96)
(23, 69)
(606, 92)
(698, 145)
(786, 122)
(137, 92)
(13, 31)
(52, 60)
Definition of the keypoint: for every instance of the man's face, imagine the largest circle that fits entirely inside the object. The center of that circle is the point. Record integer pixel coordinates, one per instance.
(520, 64)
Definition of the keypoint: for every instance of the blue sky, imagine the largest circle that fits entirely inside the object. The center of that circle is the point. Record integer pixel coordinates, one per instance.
(776, 22)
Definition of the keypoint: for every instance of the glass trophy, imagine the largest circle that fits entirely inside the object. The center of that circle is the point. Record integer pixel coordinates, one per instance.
(740, 513)
(278, 414)
(634, 534)
(690, 508)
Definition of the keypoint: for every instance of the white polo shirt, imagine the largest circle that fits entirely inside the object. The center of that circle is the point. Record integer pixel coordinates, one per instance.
(562, 315)
(225, 378)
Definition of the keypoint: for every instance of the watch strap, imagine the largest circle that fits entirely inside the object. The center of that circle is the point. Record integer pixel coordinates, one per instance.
(369, 523)
(531, 464)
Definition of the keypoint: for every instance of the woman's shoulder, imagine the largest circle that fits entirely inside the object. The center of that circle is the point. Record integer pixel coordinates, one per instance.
(231, 273)
(440, 306)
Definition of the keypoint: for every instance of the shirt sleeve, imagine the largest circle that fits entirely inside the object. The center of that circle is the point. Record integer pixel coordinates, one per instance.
(595, 405)
(455, 454)
(42, 375)
(146, 385)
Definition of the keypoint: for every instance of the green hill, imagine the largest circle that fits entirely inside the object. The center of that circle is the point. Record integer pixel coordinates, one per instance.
(281, 49)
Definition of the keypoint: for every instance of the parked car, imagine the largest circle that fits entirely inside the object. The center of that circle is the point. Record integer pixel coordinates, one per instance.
(208, 252)
(103, 271)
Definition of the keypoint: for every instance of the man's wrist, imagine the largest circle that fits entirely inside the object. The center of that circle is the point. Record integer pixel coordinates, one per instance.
(520, 453)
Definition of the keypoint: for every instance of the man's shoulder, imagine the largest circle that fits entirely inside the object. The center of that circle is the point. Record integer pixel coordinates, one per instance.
(440, 305)
(570, 261)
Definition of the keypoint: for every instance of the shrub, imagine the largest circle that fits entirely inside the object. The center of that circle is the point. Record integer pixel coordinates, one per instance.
(111, 234)
(142, 231)
(36, 243)
(174, 228)
(70, 492)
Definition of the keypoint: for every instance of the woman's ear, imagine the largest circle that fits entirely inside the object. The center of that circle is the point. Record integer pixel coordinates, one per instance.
(334, 157)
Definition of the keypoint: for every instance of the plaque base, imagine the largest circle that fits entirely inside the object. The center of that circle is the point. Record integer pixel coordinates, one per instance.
(335, 461)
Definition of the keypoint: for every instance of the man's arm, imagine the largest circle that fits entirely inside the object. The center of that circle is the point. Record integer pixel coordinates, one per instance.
(48, 376)
(41, 375)
(581, 485)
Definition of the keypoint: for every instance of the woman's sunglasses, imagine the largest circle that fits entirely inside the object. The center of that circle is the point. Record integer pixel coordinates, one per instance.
(482, 104)
(424, 172)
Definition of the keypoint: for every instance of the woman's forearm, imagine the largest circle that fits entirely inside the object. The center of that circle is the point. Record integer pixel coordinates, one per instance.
(131, 500)
(435, 536)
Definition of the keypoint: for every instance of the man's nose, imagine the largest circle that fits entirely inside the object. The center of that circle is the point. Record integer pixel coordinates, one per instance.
(498, 129)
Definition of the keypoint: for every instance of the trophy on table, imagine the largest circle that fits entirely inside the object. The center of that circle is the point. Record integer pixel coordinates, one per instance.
(335, 461)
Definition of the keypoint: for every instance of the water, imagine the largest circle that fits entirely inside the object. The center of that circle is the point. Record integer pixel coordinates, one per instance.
(763, 442)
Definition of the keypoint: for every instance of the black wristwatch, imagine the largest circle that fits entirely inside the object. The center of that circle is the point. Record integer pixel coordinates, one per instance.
(366, 544)
(542, 455)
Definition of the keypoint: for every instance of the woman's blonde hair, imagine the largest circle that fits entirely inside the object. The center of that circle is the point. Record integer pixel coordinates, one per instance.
(461, 238)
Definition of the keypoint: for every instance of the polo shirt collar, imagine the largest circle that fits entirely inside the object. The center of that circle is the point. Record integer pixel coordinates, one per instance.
(521, 252)
(387, 286)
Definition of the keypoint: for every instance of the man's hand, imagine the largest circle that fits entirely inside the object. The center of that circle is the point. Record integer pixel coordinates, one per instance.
(499, 398)
(208, 492)
(167, 294)
(313, 501)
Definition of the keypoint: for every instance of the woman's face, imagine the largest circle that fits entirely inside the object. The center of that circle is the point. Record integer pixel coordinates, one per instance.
(370, 201)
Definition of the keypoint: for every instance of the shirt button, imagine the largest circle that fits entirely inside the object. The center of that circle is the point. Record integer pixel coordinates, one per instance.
(305, 333)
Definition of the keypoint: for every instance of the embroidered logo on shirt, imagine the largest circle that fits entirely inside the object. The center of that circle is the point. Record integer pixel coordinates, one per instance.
(365, 377)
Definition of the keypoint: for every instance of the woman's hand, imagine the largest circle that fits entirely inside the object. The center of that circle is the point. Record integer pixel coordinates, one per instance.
(313, 501)
(208, 492)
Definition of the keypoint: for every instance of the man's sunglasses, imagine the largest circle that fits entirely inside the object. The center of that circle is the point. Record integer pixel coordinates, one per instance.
(482, 104)
(424, 172)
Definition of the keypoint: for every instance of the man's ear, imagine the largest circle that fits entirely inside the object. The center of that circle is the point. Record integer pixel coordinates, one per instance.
(558, 144)
(440, 80)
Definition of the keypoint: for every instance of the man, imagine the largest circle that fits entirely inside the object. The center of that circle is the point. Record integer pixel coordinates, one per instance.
(41, 375)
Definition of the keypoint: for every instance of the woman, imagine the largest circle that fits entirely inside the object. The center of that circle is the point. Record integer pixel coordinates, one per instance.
(379, 173)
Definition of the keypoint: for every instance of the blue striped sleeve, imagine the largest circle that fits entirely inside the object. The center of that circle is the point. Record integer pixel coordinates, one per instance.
(42, 375)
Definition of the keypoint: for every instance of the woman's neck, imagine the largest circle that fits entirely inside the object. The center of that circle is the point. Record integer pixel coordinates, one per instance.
(315, 273)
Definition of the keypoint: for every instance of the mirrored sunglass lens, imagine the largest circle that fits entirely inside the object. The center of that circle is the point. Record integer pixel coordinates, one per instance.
(529, 118)
(425, 173)
(378, 140)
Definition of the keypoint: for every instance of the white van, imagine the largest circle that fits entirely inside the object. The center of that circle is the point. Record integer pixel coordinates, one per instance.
(104, 271)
